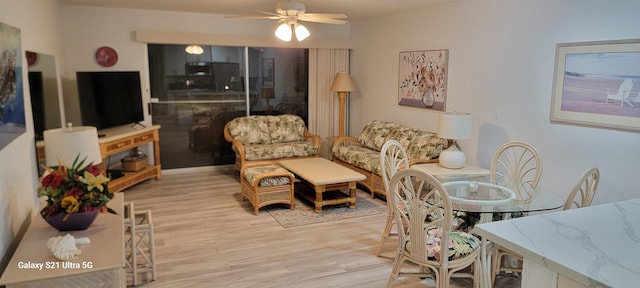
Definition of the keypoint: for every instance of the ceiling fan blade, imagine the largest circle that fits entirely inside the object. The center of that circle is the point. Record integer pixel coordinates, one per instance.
(261, 15)
(252, 17)
(325, 15)
(323, 20)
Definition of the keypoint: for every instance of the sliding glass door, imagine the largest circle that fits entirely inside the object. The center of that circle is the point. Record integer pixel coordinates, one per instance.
(197, 90)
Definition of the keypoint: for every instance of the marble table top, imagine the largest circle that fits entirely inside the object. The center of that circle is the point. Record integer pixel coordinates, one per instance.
(597, 246)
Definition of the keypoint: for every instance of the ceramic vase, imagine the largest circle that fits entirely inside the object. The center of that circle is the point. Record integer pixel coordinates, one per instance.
(75, 221)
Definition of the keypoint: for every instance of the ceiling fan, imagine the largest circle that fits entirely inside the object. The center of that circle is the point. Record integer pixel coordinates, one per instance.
(289, 14)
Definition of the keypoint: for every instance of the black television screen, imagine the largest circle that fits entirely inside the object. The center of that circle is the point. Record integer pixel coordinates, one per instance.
(36, 89)
(109, 99)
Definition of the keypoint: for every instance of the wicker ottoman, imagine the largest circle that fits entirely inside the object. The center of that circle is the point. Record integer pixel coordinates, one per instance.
(265, 183)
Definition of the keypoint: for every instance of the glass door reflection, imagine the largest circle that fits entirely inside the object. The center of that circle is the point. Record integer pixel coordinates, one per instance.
(195, 95)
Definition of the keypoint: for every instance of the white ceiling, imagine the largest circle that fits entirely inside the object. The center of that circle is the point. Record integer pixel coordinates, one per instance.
(354, 9)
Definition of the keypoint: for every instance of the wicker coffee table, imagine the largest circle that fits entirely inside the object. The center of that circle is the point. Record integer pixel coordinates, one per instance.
(327, 179)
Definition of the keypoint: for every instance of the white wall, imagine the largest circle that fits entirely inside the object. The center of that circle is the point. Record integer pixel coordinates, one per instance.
(88, 28)
(501, 64)
(40, 30)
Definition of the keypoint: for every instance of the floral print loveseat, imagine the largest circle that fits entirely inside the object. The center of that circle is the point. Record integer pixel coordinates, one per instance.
(362, 154)
(263, 138)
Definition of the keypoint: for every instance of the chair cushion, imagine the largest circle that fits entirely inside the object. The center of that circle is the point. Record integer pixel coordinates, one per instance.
(248, 131)
(267, 129)
(285, 128)
(252, 173)
(461, 244)
(279, 150)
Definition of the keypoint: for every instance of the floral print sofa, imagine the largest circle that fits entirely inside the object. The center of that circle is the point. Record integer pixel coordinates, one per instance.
(263, 138)
(362, 154)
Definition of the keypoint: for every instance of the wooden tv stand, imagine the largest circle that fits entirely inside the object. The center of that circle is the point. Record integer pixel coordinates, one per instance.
(120, 139)
(125, 138)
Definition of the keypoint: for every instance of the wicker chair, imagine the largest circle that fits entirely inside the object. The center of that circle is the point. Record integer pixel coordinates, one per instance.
(519, 161)
(424, 205)
(587, 186)
(393, 158)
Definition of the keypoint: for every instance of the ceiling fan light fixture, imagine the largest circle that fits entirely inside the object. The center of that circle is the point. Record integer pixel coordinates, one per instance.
(283, 32)
(301, 32)
(194, 49)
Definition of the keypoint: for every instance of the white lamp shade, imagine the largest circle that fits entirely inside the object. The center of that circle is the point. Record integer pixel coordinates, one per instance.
(283, 32)
(342, 83)
(301, 32)
(65, 144)
(455, 126)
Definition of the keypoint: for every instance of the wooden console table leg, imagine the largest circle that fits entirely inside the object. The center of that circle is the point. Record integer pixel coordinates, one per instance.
(156, 154)
(352, 194)
(318, 200)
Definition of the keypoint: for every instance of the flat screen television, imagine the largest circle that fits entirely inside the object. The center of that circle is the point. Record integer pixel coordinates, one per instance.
(109, 99)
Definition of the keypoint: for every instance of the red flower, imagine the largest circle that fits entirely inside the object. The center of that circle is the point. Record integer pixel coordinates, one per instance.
(75, 192)
(94, 169)
(52, 180)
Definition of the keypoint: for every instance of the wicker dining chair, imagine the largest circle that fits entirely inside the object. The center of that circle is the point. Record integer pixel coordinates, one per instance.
(520, 162)
(517, 160)
(420, 201)
(393, 158)
(586, 186)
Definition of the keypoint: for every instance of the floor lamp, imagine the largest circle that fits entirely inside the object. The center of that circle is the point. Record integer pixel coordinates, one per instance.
(342, 84)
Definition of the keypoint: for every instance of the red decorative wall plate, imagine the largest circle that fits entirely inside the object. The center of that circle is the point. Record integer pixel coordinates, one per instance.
(106, 56)
(32, 58)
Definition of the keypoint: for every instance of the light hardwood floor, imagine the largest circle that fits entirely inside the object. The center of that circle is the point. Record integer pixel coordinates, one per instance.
(206, 236)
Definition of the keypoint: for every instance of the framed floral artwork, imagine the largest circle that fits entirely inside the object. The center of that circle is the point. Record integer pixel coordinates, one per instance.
(597, 84)
(423, 79)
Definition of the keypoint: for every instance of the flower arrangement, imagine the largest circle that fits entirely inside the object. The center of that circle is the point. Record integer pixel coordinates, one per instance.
(79, 188)
(425, 76)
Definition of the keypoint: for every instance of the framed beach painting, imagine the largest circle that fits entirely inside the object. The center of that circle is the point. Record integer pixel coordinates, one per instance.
(597, 84)
(422, 79)
(12, 118)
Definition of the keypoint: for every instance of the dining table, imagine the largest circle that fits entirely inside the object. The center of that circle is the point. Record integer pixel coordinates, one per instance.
(488, 196)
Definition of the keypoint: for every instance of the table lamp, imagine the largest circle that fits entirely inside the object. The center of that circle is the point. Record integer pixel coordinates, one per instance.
(342, 84)
(454, 126)
(65, 144)
(267, 93)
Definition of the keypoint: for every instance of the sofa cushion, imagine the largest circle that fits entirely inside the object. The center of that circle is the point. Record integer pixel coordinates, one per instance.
(360, 157)
(279, 150)
(402, 134)
(374, 134)
(426, 145)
